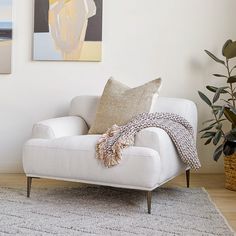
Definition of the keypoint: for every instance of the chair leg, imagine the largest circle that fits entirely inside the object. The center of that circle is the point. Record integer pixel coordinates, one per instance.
(188, 178)
(149, 201)
(29, 183)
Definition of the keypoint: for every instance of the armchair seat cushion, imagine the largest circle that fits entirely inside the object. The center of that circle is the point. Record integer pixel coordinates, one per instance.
(74, 158)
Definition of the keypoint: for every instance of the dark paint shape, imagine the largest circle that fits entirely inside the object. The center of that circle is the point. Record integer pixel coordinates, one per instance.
(5, 33)
(41, 16)
(94, 29)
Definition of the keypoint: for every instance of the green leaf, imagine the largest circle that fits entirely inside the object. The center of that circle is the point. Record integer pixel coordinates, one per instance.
(226, 44)
(217, 95)
(230, 115)
(229, 49)
(218, 152)
(208, 141)
(207, 128)
(211, 88)
(233, 109)
(231, 79)
(233, 131)
(217, 137)
(214, 57)
(231, 137)
(223, 89)
(218, 121)
(216, 109)
(214, 123)
(219, 126)
(205, 98)
(215, 112)
(219, 75)
(221, 111)
(214, 89)
(208, 134)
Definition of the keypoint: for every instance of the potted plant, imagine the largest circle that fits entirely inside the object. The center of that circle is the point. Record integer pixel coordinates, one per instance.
(223, 108)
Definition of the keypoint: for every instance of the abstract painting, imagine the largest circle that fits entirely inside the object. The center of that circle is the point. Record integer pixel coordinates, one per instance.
(5, 36)
(68, 30)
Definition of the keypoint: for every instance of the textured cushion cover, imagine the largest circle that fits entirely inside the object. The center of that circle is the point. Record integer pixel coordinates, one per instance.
(119, 104)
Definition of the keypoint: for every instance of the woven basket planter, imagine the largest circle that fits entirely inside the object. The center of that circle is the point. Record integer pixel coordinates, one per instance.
(230, 172)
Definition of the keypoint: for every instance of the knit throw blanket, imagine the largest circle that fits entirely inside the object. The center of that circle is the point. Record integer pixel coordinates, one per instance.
(110, 145)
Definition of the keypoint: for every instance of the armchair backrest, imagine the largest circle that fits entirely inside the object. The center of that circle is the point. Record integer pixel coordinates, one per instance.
(86, 106)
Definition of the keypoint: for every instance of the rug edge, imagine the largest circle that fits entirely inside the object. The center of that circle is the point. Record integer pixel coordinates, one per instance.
(218, 210)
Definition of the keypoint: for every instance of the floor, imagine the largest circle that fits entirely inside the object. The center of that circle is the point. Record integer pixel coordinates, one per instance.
(214, 184)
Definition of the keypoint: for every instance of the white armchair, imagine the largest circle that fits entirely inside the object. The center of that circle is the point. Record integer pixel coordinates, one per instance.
(61, 149)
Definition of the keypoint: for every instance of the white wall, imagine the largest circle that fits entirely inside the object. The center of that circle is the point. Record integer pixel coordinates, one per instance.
(143, 39)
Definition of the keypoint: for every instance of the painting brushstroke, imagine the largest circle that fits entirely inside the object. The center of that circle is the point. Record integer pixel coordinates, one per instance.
(5, 36)
(68, 30)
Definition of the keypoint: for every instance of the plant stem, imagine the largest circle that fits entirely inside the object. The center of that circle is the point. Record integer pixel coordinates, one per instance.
(231, 86)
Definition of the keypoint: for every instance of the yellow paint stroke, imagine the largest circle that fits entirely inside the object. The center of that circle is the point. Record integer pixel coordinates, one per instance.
(51, 2)
(68, 22)
(91, 51)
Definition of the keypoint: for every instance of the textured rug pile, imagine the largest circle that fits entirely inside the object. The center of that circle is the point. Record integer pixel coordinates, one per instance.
(90, 210)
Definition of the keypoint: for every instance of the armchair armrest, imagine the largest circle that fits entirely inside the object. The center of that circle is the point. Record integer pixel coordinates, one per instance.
(158, 140)
(60, 127)
(154, 138)
(179, 106)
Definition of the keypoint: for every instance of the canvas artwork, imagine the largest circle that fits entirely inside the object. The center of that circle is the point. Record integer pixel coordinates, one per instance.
(68, 30)
(5, 36)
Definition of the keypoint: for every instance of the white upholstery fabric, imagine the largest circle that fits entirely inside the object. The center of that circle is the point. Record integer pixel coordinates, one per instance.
(59, 127)
(158, 140)
(60, 149)
(74, 158)
(85, 106)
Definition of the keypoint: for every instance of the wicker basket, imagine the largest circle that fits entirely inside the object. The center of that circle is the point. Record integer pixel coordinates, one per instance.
(230, 172)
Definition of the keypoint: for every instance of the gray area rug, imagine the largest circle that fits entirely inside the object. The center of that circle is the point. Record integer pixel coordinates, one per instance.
(91, 210)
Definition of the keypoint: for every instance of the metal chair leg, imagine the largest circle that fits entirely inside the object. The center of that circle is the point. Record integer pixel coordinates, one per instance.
(29, 183)
(188, 178)
(149, 201)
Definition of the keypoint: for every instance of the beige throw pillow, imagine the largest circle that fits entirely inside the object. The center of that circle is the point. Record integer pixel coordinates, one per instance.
(119, 104)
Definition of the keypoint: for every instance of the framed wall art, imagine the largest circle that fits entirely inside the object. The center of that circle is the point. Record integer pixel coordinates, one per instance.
(68, 30)
(5, 36)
